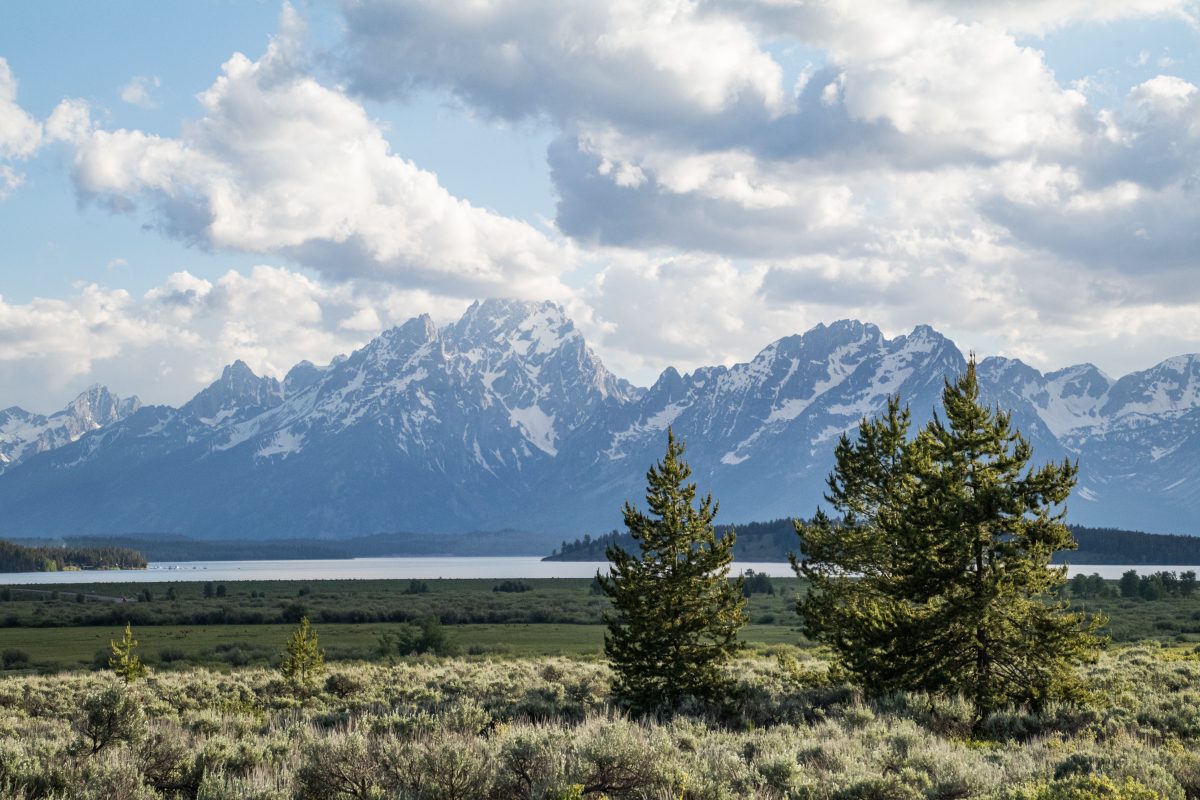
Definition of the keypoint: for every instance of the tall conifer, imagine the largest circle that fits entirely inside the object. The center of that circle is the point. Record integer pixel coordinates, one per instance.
(675, 613)
(939, 575)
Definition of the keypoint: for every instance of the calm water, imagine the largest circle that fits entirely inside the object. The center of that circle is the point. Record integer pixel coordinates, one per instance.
(375, 568)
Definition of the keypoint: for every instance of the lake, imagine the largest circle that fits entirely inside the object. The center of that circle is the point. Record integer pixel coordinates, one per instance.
(404, 568)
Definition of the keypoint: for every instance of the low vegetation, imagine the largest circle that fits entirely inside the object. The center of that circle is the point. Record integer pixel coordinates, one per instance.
(547, 728)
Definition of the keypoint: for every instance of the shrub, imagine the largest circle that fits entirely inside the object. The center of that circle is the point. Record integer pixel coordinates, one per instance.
(110, 715)
(340, 766)
(171, 654)
(14, 658)
(1086, 787)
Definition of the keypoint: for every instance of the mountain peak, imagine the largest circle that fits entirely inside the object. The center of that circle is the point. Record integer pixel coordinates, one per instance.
(96, 407)
(238, 390)
(532, 329)
(418, 330)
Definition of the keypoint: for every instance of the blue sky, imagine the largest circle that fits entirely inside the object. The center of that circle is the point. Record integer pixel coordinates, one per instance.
(1021, 176)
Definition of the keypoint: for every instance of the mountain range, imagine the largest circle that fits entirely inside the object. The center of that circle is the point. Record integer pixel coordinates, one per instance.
(506, 419)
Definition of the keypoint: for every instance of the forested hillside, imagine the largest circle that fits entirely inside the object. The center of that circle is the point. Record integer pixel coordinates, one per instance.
(772, 541)
(17, 558)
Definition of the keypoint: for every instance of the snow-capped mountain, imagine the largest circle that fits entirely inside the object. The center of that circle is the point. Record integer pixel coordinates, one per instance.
(760, 435)
(507, 419)
(23, 434)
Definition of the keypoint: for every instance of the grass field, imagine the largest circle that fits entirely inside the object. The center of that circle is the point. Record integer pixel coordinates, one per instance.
(166, 646)
(246, 623)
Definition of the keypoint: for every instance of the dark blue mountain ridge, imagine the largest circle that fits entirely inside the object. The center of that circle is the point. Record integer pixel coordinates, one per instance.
(506, 419)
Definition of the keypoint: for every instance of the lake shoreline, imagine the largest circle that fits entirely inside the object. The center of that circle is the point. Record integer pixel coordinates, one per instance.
(418, 568)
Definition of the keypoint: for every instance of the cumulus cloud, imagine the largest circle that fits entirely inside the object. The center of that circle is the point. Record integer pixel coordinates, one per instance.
(20, 133)
(171, 341)
(928, 147)
(1048, 15)
(280, 163)
(139, 91)
(666, 62)
(918, 162)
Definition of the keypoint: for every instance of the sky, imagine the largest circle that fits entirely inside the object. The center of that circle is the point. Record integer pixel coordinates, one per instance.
(183, 185)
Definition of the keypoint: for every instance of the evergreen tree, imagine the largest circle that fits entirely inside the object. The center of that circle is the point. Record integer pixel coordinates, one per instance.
(938, 578)
(1130, 583)
(303, 659)
(675, 614)
(124, 660)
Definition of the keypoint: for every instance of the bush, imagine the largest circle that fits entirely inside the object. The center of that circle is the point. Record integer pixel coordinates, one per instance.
(170, 655)
(428, 637)
(14, 658)
(109, 715)
(1086, 787)
(339, 766)
(512, 586)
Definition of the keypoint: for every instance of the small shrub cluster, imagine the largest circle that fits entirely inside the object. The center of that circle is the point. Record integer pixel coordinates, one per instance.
(428, 637)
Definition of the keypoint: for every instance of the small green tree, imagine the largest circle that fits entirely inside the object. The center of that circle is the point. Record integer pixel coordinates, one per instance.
(675, 614)
(303, 659)
(124, 660)
(1130, 583)
(939, 577)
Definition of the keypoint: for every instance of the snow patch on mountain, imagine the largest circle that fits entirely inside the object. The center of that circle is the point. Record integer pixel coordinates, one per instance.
(538, 427)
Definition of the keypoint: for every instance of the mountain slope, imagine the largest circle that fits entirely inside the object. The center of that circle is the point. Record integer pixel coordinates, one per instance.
(507, 419)
(24, 434)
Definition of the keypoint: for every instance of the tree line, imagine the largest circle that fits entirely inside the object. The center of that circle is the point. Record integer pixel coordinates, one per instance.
(18, 558)
(775, 539)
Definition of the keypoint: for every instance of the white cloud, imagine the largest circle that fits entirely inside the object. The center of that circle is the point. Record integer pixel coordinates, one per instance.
(20, 134)
(9, 180)
(925, 166)
(666, 61)
(139, 91)
(1044, 16)
(282, 164)
(174, 339)
(71, 121)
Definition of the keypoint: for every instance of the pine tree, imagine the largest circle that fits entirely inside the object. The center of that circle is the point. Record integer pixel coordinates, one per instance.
(675, 614)
(124, 660)
(303, 659)
(938, 577)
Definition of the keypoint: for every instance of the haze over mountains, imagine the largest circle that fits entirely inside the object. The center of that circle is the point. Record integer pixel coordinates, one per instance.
(506, 419)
